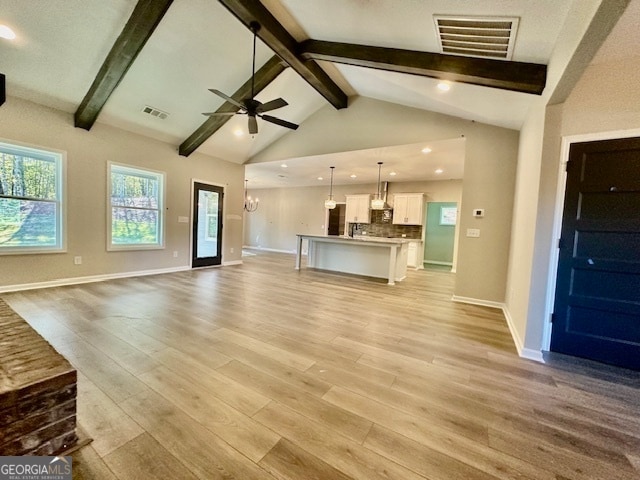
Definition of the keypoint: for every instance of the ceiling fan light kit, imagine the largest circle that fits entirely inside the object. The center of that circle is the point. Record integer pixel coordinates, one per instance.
(250, 106)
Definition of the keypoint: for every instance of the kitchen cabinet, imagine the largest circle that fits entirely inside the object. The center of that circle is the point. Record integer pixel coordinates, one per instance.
(357, 210)
(414, 254)
(408, 208)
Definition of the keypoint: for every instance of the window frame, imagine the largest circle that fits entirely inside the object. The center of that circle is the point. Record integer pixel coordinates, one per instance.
(134, 169)
(60, 160)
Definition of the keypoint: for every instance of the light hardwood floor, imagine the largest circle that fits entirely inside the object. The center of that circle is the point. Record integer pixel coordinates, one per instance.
(258, 371)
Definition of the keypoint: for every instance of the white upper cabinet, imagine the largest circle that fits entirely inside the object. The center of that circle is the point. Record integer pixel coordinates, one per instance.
(408, 208)
(357, 210)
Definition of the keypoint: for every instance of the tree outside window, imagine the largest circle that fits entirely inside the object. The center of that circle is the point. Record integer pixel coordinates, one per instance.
(31, 200)
(136, 214)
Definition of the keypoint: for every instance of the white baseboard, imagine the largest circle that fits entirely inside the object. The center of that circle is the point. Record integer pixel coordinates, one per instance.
(265, 249)
(522, 351)
(232, 262)
(478, 301)
(534, 355)
(89, 279)
(435, 262)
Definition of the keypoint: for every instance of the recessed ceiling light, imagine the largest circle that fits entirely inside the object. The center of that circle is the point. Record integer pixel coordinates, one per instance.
(392, 174)
(6, 32)
(439, 171)
(320, 178)
(445, 87)
(237, 132)
(426, 150)
(353, 175)
(284, 165)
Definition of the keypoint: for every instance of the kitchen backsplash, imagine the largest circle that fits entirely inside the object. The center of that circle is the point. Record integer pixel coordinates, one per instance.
(381, 226)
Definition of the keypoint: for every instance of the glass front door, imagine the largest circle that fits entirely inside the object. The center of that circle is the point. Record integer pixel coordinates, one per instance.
(207, 225)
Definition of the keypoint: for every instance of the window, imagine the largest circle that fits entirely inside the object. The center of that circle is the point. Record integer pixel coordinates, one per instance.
(211, 231)
(136, 213)
(31, 200)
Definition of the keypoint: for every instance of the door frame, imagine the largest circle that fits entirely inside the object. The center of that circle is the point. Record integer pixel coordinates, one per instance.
(567, 141)
(326, 218)
(191, 212)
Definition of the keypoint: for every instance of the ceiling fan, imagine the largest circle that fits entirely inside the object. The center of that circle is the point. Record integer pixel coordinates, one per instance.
(250, 106)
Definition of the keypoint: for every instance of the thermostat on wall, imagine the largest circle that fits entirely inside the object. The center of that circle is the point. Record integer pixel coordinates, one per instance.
(478, 212)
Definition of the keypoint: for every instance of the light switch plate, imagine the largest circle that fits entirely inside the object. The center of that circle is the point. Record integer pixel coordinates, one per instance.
(473, 232)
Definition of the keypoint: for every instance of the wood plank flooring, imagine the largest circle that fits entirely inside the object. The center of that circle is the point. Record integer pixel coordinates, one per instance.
(258, 371)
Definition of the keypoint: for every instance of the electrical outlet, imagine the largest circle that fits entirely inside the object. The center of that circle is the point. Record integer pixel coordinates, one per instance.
(232, 250)
(473, 232)
(77, 260)
(175, 254)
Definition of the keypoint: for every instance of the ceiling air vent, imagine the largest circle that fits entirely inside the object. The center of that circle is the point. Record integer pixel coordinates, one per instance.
(154, 112)
(485, 37)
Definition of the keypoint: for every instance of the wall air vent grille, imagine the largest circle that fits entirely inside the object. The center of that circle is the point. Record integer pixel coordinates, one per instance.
(484, 37)
(154, 112)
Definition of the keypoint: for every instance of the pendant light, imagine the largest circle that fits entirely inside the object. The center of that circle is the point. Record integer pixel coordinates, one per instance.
(378, 202)
(250, 205)
(330, 203)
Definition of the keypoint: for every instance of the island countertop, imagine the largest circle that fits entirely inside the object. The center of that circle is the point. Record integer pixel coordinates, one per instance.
(357, 238)
(369, 256)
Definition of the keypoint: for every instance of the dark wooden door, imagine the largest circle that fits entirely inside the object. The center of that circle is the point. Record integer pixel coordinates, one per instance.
(336, 220)
(597, 304)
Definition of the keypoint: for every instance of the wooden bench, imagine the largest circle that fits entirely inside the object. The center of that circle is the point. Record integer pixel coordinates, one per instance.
(37, 391)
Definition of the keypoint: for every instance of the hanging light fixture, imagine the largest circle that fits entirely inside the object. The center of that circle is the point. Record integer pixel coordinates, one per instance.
(250, 205)
(378, 202)
(330, 203)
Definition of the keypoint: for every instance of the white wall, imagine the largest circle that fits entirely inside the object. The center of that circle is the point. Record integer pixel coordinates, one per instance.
(600, 103)
(489, 178)
(285, 212)
(532, 243)
(524, 223)
(87, 157)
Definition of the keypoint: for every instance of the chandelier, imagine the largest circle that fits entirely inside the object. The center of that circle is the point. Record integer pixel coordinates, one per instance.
(250, 205)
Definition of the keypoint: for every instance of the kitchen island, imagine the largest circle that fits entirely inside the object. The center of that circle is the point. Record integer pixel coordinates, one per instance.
(369, 256)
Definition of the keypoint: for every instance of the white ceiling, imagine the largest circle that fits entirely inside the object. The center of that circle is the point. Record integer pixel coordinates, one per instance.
(198, 45)
(409, 163)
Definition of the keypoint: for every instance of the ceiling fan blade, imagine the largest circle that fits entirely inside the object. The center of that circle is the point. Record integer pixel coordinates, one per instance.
(279, 121)
(211, 114)
(272, 105)
(226, 97)
(253, 125)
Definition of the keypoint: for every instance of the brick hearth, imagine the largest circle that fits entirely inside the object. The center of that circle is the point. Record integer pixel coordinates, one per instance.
(37, 391)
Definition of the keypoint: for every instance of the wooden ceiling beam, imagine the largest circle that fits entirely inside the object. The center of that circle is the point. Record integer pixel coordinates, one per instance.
(264, 76)
(143, 21)
(507, 75)
(283, 44)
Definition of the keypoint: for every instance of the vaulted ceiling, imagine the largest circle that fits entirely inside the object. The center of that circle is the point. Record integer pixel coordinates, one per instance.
(108, 61)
